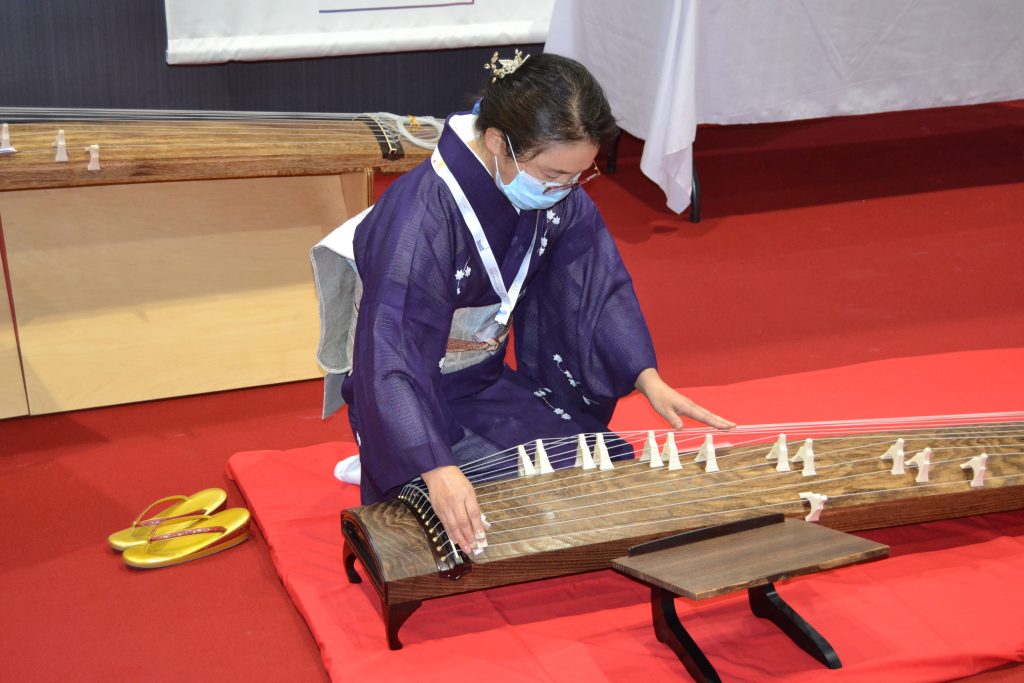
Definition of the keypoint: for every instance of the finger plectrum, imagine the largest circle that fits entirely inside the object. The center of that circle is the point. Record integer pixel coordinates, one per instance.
(480, 535)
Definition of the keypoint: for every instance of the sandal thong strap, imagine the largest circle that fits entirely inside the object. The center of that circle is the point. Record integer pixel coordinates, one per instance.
(138, 520)
(188, 532)
(154, 536)
(157, 521)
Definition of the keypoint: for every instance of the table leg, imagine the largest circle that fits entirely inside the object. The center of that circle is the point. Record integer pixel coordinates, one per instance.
(695, 196)
(670, 631)
(613, 153)
(766, 603)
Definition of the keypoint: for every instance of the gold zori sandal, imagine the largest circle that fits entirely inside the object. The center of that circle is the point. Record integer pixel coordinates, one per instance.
(184, 511)
(207, 535)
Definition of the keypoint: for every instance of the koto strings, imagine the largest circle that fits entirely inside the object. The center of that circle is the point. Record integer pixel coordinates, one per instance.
(576, 504)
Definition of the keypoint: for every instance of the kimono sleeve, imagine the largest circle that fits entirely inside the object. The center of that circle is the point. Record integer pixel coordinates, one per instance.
(405, 260)
(581, 332)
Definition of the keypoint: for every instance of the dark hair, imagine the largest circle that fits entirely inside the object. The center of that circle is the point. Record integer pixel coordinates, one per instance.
(549, 99)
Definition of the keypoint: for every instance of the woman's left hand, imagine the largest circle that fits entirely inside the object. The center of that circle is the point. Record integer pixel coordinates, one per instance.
(670, 404)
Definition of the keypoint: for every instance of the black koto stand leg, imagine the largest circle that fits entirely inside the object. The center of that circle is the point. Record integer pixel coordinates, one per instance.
(394, 617)
(670, 631)
(350, 564)
(767, 604)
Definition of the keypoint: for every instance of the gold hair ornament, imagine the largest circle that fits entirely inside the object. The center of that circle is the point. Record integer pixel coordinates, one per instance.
(503, 67)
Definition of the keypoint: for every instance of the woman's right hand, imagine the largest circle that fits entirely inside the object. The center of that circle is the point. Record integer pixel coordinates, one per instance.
(454, 501)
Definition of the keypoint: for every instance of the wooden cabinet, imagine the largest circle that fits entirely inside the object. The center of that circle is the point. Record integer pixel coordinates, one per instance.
(181, 265)
(132, 292)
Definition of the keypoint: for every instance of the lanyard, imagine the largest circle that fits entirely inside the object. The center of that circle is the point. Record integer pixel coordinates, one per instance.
(508, 296)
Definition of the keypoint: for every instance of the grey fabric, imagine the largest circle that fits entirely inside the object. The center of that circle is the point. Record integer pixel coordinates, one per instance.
(338, 291)
(333, 400)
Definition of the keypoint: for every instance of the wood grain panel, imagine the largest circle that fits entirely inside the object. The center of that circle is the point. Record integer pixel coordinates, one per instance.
(732, 562)
(133, 292)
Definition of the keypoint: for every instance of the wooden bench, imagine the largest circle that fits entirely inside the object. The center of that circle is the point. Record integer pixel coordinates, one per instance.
(751, 554)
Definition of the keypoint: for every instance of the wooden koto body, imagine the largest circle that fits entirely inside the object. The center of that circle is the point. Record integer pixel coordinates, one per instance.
(572, 521)
(145, 151)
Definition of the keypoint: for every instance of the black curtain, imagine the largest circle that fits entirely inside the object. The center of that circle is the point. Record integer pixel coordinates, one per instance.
(86, 53)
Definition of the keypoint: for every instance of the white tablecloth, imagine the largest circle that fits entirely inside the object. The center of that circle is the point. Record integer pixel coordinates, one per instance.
(668, 64)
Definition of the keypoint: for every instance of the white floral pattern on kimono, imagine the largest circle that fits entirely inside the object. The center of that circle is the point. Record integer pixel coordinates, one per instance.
(554, 219)
(461, 274)
(572, 380)
(542, 394)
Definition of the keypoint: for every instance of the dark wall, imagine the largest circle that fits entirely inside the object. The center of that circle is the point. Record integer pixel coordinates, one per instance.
(110, 54)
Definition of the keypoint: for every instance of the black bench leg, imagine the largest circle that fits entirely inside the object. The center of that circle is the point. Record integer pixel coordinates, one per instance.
(766, 603)
(670, 631)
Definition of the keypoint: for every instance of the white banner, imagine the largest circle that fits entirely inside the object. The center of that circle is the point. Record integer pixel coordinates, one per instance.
(210, 31)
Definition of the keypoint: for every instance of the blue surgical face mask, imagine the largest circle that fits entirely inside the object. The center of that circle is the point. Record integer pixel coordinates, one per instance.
(526, 192)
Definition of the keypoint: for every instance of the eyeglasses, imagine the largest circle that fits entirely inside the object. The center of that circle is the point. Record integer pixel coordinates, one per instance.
(551, 187)
(573, 184)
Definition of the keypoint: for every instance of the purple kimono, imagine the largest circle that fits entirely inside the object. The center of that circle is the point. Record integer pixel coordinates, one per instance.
(580, 338)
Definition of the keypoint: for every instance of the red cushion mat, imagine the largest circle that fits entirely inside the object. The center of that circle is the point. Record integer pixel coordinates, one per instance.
(947, 603)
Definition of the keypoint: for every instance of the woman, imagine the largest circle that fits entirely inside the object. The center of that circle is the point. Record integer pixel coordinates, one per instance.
(495, 222)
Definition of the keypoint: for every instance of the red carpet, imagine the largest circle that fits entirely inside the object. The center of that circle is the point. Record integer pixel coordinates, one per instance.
(945, 605)
(825, 244)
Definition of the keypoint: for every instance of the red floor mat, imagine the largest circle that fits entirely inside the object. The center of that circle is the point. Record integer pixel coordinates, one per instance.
(947, 603)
